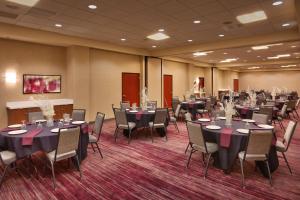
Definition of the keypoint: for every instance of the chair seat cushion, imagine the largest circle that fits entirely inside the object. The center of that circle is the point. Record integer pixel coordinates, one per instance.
(252, 156)
(172, 119)
(62, 156)
(131, 125)
(160, 125)
(8, 157)
(280, 146)
(92, 138)
(202, 111)
(211, 147)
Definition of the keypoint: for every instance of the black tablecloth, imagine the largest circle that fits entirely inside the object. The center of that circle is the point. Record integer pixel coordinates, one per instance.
(45, 141)
(192, 107)
(225, 157)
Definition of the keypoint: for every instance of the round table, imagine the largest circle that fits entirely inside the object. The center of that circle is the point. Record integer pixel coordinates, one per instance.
(193, 106)
(141, 118)
(246, 112)
(225, 157)
(45, 141)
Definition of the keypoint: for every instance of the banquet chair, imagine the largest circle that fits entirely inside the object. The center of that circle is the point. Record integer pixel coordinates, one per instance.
(188, 118)
(257, 149)
(291, 108)
(78, 115)
(173, 117)
(198, 143)
(159, 121)
(260, 118)
(122, 123)
(96, 132)
(282, 146)
(124, 105)
(267, 111)
(7, 160)
(66, 148)
(33, 116)
(280, 116)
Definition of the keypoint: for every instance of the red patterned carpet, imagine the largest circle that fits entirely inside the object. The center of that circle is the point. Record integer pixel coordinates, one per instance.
(145, 170)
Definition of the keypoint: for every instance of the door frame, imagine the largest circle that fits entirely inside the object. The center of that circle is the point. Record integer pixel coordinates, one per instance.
(139, 95)
(164, 89)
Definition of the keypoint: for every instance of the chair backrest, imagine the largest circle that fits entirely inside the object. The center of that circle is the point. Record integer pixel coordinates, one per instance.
(270, 103)
(120, 116)
(160, 116)
(283, 110)
(68, 140)
(98, 124)
(289, 132)
(259, 142)
(208, 105)
(78, 115)
(32, 116)
(267, 111)
(260, 118)
(188, 116)
(292, 104)
(298, 103)
(125, 104)
(195, 134)
(177, 110)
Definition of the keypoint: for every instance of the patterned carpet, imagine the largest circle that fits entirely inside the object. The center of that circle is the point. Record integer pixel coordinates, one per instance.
(145, 170)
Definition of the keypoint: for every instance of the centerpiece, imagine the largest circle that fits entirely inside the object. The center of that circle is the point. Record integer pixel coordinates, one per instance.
(229, 109)
(144, 97)
(47, 109)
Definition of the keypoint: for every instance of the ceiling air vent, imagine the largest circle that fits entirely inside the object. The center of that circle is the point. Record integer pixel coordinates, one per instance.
(37, 12)
(8, 15)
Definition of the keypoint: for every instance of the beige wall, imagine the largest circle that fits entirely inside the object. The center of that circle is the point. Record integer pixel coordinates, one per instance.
(268, 80)
(154, 80)
(26, 58)
(223, 79)
(106, 78)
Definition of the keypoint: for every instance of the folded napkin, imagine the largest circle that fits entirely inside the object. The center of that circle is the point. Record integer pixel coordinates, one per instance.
(9, 129)
(27, 139)
(138, 115)
(225, 137)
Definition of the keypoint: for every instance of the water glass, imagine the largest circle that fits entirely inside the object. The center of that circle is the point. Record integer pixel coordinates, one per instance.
(23, 125)
(60, 123)
(40, 125)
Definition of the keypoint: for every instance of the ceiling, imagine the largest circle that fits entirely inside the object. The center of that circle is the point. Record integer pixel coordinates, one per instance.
(136, 19)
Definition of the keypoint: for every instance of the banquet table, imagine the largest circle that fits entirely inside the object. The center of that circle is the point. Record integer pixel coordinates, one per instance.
(193, 106)
(226, 156)
(45, 141)
(246, 112)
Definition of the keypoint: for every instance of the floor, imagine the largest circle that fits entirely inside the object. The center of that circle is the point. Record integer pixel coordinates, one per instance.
(146, 170)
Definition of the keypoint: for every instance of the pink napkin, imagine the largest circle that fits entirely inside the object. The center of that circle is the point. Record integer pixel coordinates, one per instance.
(27, 139)
(138, 115)
(225, 137)
(9, 129)
(244, 111)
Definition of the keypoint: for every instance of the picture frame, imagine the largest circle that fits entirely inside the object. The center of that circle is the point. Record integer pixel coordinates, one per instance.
(40, 84)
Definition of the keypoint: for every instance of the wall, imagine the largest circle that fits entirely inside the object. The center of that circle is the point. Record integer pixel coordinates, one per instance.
(106, 79)
(268, 80)
(223, 79)
(154, 80)
(26, 58)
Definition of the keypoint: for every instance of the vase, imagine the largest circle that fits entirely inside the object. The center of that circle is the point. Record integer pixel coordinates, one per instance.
(50, 121)
(228, 119)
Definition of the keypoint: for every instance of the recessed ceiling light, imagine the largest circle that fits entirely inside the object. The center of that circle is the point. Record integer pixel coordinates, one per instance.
(286, 66)
(252, 17)
(249, 51)
(161, 30)
(123, 39)
(262, 47)
(221, 35)
(258, 56)
(253, 67)
(190, 40)
(196, 21)
(93, 7)
(154, 46)
(196, 54)
(228, 60)
(285, 24)
(296, 53)
(298, 57)
(225, 53)
(158, 36)
(279, 56)
(277, 3)
(29, 3)
(293, 46)
(58, 25)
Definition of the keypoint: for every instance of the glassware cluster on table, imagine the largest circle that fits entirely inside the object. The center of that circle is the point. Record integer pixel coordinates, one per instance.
(64, 121)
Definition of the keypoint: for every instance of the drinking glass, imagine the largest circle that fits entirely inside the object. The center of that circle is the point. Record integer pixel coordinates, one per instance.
(40, 125)
(23, 125)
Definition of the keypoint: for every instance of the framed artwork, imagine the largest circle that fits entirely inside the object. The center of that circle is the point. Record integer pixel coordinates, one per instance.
(38, 84)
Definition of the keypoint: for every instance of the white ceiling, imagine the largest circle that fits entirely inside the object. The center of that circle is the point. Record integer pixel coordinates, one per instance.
(135, 19)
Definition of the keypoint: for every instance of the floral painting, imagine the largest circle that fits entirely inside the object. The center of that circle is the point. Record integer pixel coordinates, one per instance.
(37, 84)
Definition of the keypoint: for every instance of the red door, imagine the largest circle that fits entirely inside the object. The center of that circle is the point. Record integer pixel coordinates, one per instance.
(168, 85)
(235, 85)
(201, 82)
(131, 87)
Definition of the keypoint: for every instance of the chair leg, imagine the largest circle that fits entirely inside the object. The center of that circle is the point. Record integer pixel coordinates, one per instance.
(270, 177)
(206, 168)
(242, 170)
(78, 165)
(99, 149)
(3, 176)
(287, 163)
(116, 134)
(53, 175)
(165, 129)
(297, 113)
(187, 147)
(129, 136)
(188, 162)
(151, 131)
(176, 127)
(93, 147)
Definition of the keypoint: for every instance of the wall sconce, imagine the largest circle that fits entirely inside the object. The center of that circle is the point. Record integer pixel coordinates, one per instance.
(10, 77)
